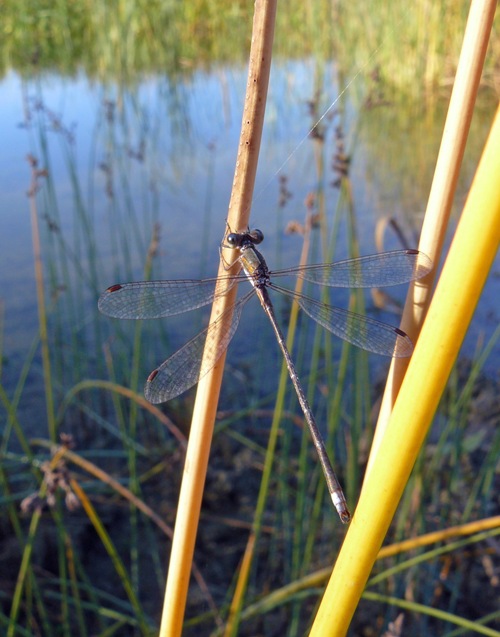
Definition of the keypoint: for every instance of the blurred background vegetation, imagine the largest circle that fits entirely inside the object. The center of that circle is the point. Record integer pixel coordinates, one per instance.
(122, 40)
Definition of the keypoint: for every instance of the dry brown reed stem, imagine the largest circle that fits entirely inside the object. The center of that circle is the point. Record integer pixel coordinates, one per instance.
(448, 164)
(208, 388)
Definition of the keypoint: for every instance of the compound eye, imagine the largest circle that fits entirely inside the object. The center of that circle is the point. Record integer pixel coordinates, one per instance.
(256, 235)
(232, 239)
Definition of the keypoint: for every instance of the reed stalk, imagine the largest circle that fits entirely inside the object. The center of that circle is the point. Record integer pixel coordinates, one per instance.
(474, 532)
(207, 395)
(438, 211)
(456, 296)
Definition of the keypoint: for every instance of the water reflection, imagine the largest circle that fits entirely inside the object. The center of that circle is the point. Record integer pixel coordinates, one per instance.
(121, 161)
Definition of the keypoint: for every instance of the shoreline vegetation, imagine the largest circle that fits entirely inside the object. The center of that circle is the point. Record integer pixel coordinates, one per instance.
(416, 47)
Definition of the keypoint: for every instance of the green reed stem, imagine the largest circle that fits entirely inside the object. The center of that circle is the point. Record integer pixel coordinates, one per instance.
(114, 556)
(40, 292)
(24, 570)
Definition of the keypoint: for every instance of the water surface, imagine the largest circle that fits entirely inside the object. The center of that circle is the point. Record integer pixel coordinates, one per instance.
(122, 160)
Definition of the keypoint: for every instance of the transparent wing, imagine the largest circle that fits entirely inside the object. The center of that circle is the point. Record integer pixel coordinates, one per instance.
(155, 299)
(359, 330)
(377, 270)
(195, 359)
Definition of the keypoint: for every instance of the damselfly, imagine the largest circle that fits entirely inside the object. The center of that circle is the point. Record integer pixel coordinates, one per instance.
(155, 299)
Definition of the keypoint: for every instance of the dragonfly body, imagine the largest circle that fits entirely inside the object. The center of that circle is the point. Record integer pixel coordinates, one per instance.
(154, 299)
(256, 269)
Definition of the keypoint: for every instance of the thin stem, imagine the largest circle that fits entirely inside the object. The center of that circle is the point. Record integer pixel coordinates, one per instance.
(208, 388)
(36, 174)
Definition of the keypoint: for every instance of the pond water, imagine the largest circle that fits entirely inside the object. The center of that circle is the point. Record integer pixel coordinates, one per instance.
(122, 160)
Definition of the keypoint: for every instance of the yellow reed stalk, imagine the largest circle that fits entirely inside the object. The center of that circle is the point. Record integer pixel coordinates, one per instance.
(205, 407)
(464, 273)
(442, 191)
